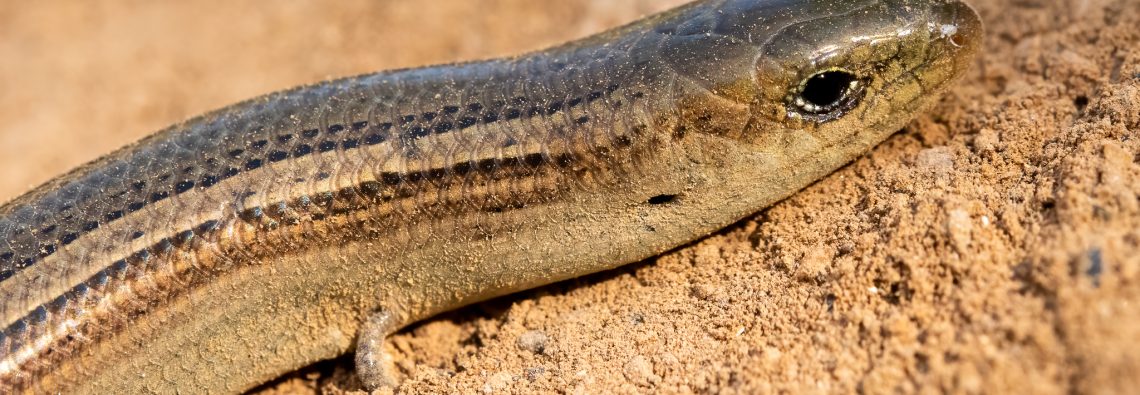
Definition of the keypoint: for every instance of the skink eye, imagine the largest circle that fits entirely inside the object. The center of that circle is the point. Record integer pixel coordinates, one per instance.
(827, 94)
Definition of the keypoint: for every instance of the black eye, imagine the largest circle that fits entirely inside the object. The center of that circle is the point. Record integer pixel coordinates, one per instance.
(828, 93)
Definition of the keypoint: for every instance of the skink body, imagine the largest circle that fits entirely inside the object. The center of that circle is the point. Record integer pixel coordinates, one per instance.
(245, 243)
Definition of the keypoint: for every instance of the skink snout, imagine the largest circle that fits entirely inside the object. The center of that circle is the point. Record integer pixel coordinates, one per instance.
(958, 24)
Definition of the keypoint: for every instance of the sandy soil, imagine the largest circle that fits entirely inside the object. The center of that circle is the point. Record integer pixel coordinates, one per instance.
(991, 246)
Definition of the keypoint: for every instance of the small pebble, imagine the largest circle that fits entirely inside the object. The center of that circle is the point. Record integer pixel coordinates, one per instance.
(533, 341)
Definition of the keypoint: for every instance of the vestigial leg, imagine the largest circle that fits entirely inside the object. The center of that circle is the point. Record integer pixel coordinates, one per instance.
(373, 364)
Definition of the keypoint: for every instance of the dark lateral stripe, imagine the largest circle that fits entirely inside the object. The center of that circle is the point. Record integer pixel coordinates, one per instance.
(38, 322)
(391, 186)
(517, 108)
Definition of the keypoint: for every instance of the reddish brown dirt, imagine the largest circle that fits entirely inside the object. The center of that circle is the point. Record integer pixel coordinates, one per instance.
(993, 246)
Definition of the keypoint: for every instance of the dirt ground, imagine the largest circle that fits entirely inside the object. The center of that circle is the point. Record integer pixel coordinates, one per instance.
(993, 246)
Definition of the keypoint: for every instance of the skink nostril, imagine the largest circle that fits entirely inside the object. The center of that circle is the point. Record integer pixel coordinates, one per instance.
(954, 35)
(959, 24)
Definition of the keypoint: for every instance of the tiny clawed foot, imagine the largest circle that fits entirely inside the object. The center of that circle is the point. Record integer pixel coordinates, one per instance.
(373, 364)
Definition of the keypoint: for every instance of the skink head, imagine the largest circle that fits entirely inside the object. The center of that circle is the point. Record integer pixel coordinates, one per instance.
(866, 64)
(805, 75)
